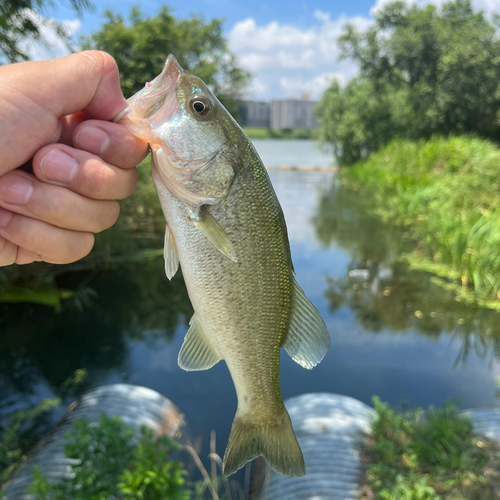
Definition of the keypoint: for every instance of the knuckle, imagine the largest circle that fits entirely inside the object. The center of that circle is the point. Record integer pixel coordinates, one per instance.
(8, 252)
(112, 211)
(132, 177)
(80, 247)
(97, 179)
(100, 59)
(134, 150)
(87, 244)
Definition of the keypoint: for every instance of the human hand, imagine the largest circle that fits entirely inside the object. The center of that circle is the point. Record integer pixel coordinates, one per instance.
(55, 114)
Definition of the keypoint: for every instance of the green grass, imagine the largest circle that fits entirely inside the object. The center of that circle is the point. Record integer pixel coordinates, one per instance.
(427, 456)
(286, 133)
(446, 193)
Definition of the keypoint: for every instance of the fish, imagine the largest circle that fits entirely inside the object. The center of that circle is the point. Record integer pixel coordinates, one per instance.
(226, 229)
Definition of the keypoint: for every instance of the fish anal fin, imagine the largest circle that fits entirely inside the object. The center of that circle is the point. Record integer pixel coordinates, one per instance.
(196, 352)
(274, 440)
(170, 254)
(307, 341)
(209, 227)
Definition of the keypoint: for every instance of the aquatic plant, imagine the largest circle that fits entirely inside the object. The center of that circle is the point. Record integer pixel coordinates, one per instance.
(445, 193)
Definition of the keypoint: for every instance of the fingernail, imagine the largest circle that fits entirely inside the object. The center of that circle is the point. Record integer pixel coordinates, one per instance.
(92, 139)
(15, 189)
(58, 166)
(5, 216)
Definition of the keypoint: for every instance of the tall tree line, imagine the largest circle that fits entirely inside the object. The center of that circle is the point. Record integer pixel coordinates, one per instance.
(423, 71)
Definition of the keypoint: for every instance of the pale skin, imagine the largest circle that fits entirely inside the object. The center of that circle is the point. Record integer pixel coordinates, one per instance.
(76, 164)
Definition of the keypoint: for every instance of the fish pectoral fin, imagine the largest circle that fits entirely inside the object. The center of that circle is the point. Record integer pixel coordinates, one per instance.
(170, 254)
(308, 340)
(196, 352)
(209, 227)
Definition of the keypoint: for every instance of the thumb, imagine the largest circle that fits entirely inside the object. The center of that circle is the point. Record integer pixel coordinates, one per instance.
(34, 95)
(86, 81)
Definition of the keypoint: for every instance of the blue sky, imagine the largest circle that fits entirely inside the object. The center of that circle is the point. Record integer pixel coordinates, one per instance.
(289, 46)
(298, 13)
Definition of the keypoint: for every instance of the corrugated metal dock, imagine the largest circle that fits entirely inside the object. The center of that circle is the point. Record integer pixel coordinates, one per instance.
(329, 428)
(137, 406)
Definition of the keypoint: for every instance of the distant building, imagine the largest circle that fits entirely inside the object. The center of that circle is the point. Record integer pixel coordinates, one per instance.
(293, 113)
(255, 114)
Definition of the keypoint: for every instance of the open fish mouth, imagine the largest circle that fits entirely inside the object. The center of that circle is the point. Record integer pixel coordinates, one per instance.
(150, 98)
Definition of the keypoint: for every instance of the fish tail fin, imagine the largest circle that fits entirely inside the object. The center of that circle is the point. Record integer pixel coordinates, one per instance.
(274, 440)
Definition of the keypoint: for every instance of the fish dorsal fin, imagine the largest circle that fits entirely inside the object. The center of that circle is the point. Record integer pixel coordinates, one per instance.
(170, 254)
(196, 352)
(209, 227)
(307, 341)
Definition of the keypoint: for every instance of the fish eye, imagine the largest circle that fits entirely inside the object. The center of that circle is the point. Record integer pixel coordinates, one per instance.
(200, 106)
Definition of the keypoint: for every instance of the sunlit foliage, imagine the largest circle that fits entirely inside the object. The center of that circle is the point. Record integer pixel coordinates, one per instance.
(423, 71)
(21, 21)
(427, 455)
(141, 43)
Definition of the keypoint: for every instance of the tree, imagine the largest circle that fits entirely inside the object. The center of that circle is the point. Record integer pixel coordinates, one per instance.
(361, 117)
(445, 61)
(140, 48)
(22, 19)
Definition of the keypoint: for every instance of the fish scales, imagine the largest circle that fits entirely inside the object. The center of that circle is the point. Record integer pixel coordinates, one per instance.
(226, 228)
(261, 324)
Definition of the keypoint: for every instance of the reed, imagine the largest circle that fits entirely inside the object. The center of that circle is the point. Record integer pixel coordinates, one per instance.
(446, 194)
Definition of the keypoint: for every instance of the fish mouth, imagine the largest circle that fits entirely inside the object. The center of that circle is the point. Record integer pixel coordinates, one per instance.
(163, 84)
(153, 95)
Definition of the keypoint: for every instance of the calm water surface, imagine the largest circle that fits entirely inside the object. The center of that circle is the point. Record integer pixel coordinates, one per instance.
(394, 333)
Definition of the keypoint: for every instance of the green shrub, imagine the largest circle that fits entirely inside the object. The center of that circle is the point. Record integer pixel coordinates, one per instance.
(425, 456)
(108, 465)
(446, 194)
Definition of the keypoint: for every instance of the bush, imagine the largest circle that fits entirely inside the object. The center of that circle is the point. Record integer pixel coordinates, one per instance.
(426, 456)
(110, 466)
(446, 193)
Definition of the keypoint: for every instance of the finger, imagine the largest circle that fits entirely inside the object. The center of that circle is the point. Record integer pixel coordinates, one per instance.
(12, 254)
(34, 95)
(111, 142)
(87, 81)
(8, 251)
(26, 257)
(83, 173)
(53, 244)
(26, 195)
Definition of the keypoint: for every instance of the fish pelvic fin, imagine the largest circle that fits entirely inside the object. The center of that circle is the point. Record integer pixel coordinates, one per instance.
(196, 352)
(274, 440)
(307, 340)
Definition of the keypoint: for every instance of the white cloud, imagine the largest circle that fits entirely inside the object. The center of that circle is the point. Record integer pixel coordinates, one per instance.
(54, 45)
(287, 61)
(314, 87)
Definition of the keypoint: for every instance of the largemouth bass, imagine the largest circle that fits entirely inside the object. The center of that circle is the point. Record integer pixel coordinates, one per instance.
(226, 228)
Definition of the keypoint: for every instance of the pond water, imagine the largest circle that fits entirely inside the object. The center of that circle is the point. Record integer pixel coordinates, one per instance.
(394, 333)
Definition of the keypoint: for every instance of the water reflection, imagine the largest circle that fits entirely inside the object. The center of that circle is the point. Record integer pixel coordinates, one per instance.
(381, 290)
(129, 303)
